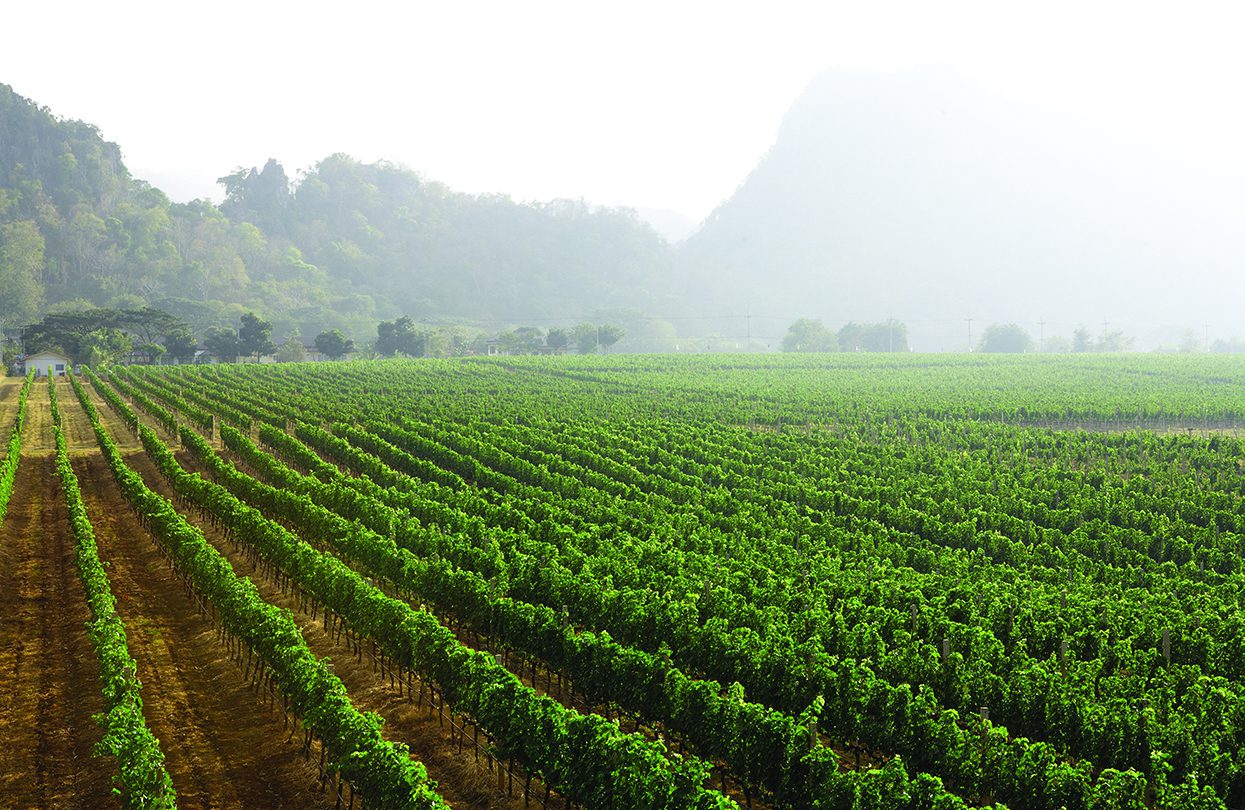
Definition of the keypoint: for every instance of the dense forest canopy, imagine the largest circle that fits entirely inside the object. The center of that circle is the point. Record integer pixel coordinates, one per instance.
(345, 246)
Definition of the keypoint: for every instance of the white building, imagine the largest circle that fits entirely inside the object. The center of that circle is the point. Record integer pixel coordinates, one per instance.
(46, 364)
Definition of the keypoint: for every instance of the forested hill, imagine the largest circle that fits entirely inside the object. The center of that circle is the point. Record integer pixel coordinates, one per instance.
(919, 196)
(347, 245)
(382, 231)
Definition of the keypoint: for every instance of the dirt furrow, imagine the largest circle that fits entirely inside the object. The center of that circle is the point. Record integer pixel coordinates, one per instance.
(37, 438)
(49, 675)
(117, 426)
(79, 435)
(10, 388)
(223, 747)
(460, 780)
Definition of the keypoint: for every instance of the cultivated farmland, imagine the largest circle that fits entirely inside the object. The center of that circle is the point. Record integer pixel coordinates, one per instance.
(627, 582)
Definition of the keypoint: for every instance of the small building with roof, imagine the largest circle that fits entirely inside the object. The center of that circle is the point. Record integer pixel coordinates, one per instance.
(48, 364)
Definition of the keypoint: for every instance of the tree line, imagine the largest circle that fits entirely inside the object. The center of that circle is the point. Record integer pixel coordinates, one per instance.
(811, 335)
(102, 337)
(403, 336)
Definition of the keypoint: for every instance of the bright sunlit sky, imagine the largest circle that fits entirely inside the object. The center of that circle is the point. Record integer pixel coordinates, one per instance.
(648, 104)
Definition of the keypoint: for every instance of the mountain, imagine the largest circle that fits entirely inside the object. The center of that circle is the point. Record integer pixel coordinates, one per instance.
(675, 226)
(921, 197)
(415, 247)
(915, 195)
(346, 245)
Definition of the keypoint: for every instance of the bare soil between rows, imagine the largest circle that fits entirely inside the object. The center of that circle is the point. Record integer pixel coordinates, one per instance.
(49, 675)
(460, 781)
(10, 389)
(223, 747)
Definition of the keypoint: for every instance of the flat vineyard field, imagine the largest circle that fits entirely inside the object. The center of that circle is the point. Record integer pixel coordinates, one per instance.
(787, 581)
(51, 681)
(222, 747)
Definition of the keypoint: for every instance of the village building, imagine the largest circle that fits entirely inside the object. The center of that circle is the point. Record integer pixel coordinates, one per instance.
(47, 364)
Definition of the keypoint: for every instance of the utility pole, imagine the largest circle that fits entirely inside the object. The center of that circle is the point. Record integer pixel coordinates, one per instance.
(1206, 327)
(890, 334)
(970, 333)
(1041, 335)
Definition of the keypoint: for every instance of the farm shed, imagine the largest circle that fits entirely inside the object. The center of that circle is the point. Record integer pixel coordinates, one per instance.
(48, 363)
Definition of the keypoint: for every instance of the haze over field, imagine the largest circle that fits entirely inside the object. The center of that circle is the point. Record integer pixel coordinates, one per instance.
(1057, 167)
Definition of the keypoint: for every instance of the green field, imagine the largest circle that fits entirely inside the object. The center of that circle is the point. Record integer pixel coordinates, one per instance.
(815, 581)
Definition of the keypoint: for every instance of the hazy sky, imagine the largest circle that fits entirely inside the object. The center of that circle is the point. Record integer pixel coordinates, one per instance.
(661, 105)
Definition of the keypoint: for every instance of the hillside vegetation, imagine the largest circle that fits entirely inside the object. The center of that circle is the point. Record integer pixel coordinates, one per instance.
(346, 245)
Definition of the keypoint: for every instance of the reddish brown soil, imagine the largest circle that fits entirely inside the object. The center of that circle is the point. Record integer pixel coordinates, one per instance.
(460, 781)
(10, 387)
(116, 425)
(49, 675)
(223, 747)
(37, 435)
(79, 435)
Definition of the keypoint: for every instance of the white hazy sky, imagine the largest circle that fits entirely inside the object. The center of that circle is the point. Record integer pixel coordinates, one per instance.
(650, 104)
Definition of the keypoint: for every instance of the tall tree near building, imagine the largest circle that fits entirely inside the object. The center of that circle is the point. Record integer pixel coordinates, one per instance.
(222, 342)
(400, 337)
(255, 336)
(333, 344)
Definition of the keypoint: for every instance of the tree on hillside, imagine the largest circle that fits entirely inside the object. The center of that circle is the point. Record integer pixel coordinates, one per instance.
(584, 336)
(608, 334)
(9, 352)
(1082, 340)
(255, 336)
(589, 337)
(291, 351)
(1113, 341)
(150, 331)
(333, 344)
(524, 340)
(809, 335)
(887, 336)
(1007, 338)
(148, 324)
(181, 345)
(103, 347)
(222, 342)
(1230, 345)
(557, 339)
(260, 196)
(400, 337)
(151, 352)
(21, 272)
